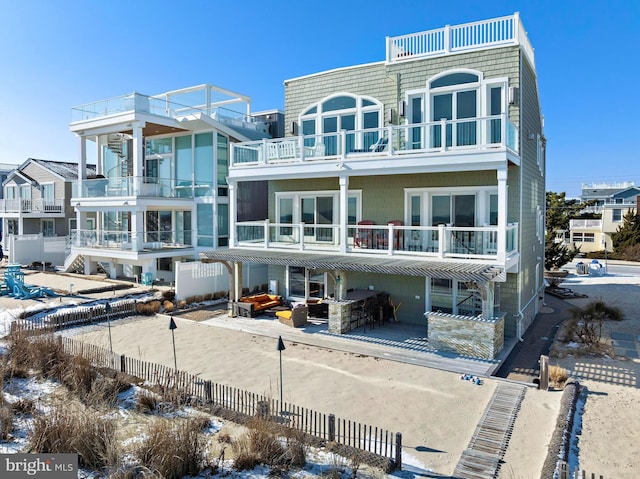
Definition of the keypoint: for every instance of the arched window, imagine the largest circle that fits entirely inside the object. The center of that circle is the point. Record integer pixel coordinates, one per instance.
(465, 103)
(359, 116)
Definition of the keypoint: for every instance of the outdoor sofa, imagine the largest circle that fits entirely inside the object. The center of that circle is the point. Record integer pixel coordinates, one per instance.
(249, 306)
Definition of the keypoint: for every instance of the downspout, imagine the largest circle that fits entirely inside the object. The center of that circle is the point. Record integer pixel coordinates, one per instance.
(520, 315)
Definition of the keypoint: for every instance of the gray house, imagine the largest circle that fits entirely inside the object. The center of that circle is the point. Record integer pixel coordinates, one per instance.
(416, 182)
(36, 198)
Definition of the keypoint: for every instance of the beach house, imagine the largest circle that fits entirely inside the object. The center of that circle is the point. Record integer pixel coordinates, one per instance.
(418, 179)
(612, 202)
(159, 193)
(37, 202)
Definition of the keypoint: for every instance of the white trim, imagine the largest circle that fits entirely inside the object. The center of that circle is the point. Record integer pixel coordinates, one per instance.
(334, 70)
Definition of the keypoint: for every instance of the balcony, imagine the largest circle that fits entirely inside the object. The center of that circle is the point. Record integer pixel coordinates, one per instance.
(479, 243)
(176, 105)
(463, 137)
(37, 206)
(132, 186)
(148, 241)
(449, 40)
(585, 224)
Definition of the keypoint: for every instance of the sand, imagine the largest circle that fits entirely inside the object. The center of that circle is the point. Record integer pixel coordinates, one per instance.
(607, 445)
(435, 410)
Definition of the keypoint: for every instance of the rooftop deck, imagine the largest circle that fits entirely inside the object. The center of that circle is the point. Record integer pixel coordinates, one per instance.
(223, 105)
(448, 40)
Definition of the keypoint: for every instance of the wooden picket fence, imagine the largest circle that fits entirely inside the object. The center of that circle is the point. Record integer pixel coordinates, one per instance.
(78, 315)
(564, 472)
(326, 427)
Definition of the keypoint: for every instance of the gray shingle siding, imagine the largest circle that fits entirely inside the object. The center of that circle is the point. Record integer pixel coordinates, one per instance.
(526, 186)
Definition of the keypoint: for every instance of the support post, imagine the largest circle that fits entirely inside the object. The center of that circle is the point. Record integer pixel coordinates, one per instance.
(398, 458)
(332, 427)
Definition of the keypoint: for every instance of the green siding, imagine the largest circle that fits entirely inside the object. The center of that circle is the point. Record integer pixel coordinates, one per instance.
(383, 195)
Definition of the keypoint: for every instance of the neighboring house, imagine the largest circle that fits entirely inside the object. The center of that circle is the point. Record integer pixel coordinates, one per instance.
(159, 194)
(5, 169)
(613, 202)
(422, 176)
(36, 199)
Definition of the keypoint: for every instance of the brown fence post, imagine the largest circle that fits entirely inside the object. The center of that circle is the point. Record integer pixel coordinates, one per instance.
(332, 427)
(544, 372)
(399, 451)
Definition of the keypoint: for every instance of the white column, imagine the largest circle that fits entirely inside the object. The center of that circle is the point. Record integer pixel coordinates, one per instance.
(232, 213)
(503, 201)
(137, 230)
(81, 218)
(138, 145)
(344, 212)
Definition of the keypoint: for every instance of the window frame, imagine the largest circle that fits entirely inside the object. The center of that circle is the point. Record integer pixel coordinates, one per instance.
(316, 114)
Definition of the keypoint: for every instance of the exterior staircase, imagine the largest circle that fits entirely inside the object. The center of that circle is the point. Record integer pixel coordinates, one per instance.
(74, 263)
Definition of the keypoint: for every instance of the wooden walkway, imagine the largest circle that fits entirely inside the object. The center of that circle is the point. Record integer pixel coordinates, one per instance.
(483, 456)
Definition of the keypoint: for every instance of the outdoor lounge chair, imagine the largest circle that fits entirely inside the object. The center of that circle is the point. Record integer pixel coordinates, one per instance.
(295, 317)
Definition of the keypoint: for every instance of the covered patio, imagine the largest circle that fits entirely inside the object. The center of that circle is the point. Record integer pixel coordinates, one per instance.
(480, 336)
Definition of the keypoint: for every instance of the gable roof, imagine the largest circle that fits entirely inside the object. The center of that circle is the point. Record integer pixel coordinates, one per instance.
(630, 192)
(66, 170)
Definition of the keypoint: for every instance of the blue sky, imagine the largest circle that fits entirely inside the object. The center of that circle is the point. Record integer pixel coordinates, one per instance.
(63, 53)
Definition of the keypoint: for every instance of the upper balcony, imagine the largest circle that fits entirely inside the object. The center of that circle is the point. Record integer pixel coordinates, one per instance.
(585, 224)
(219, 104)
(143, 187)
(448, 40)
(439, 141)
(35, 207)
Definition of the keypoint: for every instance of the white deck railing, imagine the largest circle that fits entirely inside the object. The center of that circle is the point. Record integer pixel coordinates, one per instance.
(585, 224)
(128, 241)
(460, 38)
(38, 205)
(434, 138)
(437, 241)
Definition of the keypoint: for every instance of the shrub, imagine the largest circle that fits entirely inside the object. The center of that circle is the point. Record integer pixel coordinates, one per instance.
(207, 297)
(173, 449)
(86, 433)
(169, 295)
(219, 295)
(24, 406)
(149, 308)
(558, 376)
(147, 402)
(168, 306)
(43, 355)
(263, 444)
(182, 304)
(6, 421)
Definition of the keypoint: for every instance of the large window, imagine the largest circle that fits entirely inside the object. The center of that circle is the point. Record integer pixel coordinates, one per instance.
(584, 237)
(183, 166)
(222, 164)
(203, 164)
(469, 107)
(205, 224)
(223, 224)
(48, 228)
(315, 209)
(296, 283)
(616, 215)
(360, 117)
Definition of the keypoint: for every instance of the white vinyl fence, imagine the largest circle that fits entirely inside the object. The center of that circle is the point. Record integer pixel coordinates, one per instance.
(196, 278)
(27, 249)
